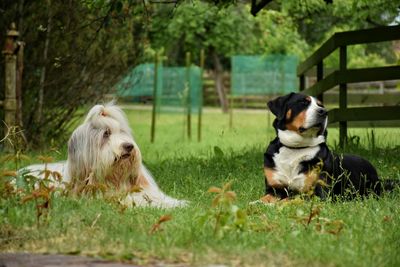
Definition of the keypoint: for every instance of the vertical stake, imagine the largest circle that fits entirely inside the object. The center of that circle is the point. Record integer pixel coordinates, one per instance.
(342, 96)
(231, 103)
(189, 97)
(200, 111)
(155, 84)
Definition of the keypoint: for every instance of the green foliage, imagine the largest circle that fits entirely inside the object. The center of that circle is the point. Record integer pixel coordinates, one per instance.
(86, 48)
(358, 56)
(23, 187)
(316, 21)
(232, 30)
(278, 35)
(199, 25)
(362, 11)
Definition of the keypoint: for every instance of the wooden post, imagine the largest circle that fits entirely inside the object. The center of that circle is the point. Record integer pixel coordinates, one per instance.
(9, 52)
(342, 96)
(302, 82)
(20, 70)
(155, 89)
(320, 76)
(189, 96)
(200, 111)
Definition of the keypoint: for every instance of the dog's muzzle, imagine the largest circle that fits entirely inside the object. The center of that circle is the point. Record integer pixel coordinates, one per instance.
(320, 118)
(127, 150)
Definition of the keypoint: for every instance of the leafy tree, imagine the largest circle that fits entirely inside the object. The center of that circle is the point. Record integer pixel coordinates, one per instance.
(317, 21)
(199, 25)
(223, 32)
(73, 54)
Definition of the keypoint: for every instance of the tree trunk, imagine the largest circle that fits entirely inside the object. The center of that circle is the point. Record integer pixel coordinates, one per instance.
(43, 72)
(219, 82)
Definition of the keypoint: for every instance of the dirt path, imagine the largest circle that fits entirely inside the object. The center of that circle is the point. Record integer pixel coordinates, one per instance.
(37, 260)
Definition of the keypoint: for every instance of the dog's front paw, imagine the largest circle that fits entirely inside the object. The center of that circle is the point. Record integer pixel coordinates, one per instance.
(267, 200)
(175, 203)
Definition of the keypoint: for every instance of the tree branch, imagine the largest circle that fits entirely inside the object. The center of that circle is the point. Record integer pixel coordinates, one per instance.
(163, 1)
(255, 8)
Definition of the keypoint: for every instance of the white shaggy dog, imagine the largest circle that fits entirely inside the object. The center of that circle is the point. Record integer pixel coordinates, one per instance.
(102, 150)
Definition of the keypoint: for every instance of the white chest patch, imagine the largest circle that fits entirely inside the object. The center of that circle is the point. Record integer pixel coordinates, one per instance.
(287, 166)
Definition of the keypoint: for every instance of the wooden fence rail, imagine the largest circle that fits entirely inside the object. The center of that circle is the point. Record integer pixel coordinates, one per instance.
(343, 76)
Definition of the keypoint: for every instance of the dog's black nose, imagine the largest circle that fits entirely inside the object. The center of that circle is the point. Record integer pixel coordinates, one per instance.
(127, 147)
(322, 112)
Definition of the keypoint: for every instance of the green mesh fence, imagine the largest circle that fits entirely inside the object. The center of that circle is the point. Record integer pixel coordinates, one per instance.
(174, 85)
(263, 75)
(138, 82)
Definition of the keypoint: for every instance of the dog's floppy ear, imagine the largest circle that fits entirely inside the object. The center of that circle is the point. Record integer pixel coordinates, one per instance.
(278, 105)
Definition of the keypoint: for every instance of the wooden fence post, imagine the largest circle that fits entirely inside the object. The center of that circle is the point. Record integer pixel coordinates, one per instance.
(320, 76)
(9, 52)
(189, 96)
(342, 96)
(302, 82)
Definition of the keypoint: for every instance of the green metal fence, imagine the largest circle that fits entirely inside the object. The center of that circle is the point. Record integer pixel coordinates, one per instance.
(263, 75)
(174, 86)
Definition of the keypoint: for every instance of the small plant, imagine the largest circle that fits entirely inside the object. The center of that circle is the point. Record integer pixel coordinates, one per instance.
(157, 226)
(22, 184)
(224, 214)
(321, 224)
(7, 189)
(42, 196)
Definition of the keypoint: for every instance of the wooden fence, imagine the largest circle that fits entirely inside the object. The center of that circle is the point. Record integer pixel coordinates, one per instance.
(343, 76)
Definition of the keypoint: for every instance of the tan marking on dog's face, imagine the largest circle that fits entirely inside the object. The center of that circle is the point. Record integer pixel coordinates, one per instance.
(297, 122)
(269, 175)
(288, 114)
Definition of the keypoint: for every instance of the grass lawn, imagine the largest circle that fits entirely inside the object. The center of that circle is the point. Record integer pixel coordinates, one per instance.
(300, 233)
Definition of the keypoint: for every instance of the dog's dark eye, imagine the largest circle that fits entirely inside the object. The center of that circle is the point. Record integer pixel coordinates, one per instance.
(107, 133)
(304, 101)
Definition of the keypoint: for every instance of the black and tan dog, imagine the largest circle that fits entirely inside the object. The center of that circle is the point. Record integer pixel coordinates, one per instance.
(299, 161)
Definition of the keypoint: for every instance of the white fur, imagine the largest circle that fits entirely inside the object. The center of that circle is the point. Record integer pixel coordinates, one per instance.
(294, 139)
(152, 196)
(311, 113)
(288, 166)
(95, 158)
